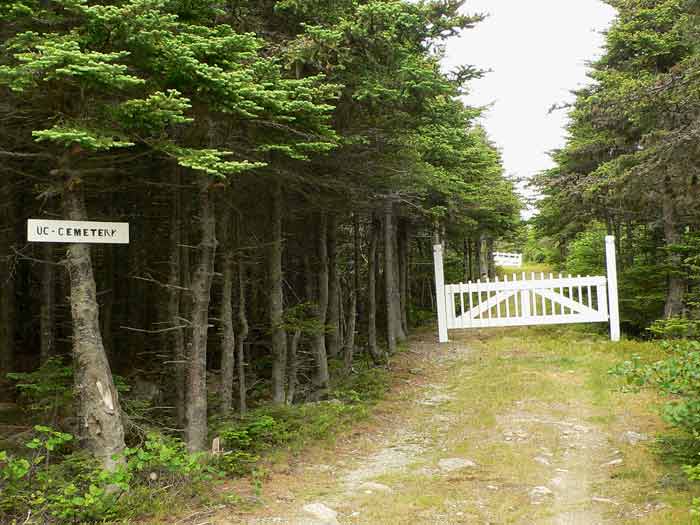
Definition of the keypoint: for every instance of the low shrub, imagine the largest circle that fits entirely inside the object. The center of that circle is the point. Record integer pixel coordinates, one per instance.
(246, 439)
(51, 483)
(678, 376)
(48, 481)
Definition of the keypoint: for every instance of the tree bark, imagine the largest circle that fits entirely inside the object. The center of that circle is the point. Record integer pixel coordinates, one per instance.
(99, 412)
(467, 260)
(373, 257)
(349, 345)
(176, 337)
(482, 255)
(321, 378)
(242, 329)
(203, 271)
(293, 366)
(629, 246)
(398, 299)
(278, 339)
(136, 291)
(107, 306)
(390, 290)
(490, 262)
(228, 336)
(333, 335)
(677, 283)
(182, 359)
(403, 241)
(46, 310)
(476, 258)
(8, 300)
(108, 289)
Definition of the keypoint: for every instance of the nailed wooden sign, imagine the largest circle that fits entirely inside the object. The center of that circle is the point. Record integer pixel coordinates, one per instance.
(41, 230)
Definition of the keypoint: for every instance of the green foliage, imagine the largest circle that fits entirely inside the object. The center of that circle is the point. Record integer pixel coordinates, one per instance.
(70, 489)
(537, 250)
(247, 439)
(586, 253)
(210, 161)
(675, 328)
(641, 282)
(677, 376)
(48, 390)
(84, 137)
(166, 459)
(52, 484)
(60, 58)
(47, 393)
(301, 317)
(155, 113)
(364, 386)
(628, 154)
(145, 75)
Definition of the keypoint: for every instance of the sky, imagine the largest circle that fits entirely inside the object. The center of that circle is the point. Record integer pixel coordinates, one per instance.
(537, 51)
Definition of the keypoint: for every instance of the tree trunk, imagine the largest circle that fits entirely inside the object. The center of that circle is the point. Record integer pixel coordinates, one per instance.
(390, 279)
(292, 366)
(278, 339)
(107, 306)
(398, 299)
(8, 306)
(46, 310)
(333, 335)
(677, 282)
(228, 337)
(203, 271)
(373, 259)
(136, 290)
(108, 292)
(321, 376)
(98, 402)
(403, 275)
(467, 261)
(629, 245)
(482, 254)
(490, 261)
(242, 329)
(182, 359)
(349, 346)
(176, 337)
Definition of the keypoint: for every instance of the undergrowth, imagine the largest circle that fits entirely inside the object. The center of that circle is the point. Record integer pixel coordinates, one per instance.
(47, 479)
(677, 376)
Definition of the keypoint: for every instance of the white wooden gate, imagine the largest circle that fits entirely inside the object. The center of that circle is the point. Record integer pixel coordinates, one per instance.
(537, 300)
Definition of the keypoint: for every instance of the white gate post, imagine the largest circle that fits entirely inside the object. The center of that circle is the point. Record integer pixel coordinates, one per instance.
(440, 293)
(614, 310)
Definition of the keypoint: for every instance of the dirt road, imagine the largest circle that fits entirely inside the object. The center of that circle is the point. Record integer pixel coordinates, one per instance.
(515, 426)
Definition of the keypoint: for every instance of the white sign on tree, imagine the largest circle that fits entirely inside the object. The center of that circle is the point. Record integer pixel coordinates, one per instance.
(41, 230)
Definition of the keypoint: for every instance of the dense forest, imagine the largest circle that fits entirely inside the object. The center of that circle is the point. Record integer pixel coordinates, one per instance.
(285, 167)
(630, 166)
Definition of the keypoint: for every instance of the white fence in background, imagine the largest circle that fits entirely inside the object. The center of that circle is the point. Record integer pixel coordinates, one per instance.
(537, 300)
(513, 260)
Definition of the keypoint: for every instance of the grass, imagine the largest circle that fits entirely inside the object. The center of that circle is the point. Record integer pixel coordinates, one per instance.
(527, 268)
(546, 374)
(570, 366)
